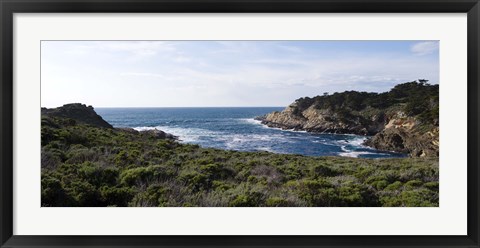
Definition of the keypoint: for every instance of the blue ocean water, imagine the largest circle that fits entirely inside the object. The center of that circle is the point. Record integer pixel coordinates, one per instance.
(235, 129)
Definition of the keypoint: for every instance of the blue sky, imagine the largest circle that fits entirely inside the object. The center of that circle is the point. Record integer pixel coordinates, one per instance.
(225, 73)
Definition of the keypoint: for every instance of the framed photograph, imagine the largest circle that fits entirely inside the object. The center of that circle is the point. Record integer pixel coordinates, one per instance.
(239, 123)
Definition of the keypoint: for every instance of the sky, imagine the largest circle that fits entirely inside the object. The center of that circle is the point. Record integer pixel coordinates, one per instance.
(225, 73)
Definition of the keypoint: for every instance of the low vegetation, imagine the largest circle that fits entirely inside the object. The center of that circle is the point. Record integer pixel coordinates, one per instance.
(85, 165)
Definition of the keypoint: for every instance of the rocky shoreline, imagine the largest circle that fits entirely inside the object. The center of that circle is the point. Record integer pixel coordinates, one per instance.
(317, 121)
(395, 138)
(392, 128)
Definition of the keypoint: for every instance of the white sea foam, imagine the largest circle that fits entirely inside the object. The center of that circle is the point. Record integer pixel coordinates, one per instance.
(283, 130)
(356, 143)
(234, 141)
(144, 128)
(295, 131)
(251, 121)
(267, 149)
(257, 122)
(354, 154)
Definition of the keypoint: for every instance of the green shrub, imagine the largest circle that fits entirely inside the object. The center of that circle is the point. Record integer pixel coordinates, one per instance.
(215, 171)
(380, 184)
(154, 196)
(277, 202)
(84, 194)
(53, 193)
(220, 185)
(413, 184)
(431, 185)
(323, 171)
(412, 198)
(250, 199)
(394, 186)
(196, 181)
(133, 176)
(115, 196)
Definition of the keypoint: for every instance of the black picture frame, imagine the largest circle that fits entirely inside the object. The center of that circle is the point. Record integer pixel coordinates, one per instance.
(9, 7)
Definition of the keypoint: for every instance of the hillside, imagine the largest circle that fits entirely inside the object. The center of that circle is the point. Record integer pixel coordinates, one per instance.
(95, 165)
(77, 112)
(404, 119)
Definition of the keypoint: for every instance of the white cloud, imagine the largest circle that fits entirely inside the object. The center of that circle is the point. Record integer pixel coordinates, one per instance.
(137, 49)
(424, 48)
(136, 75)
(139, 73)
(292, 49)
(280, 62)
(182, 59)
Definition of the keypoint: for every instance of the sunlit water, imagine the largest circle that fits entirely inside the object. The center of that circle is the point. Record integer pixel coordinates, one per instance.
(235, 129)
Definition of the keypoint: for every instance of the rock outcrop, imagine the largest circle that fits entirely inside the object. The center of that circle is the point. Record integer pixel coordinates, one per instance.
(404, 119)
(78, 112)
(417, 144)
(159, 134)
(318, 120)
(154, 133)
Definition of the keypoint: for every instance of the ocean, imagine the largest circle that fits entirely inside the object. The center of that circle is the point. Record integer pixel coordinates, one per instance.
(235, 129)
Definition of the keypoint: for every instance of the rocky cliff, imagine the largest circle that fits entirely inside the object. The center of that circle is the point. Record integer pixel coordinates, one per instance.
(77, 113)
(405, 119)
